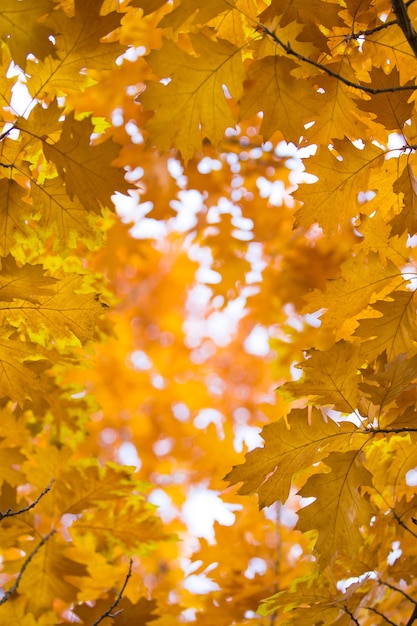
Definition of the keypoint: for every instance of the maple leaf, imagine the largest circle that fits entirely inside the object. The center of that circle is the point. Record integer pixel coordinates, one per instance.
(85, 168)
(193, 106)
(340, 508)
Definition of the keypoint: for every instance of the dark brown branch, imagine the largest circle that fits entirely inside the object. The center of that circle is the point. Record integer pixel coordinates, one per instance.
(387, 431)
(13, 589)
(10, 513)
(109, 613)
(403, 524)
(405, 24)
(352, 617)
(370, 608)
(394, 588)
(412, 617)
(370, 31)
(291, 52)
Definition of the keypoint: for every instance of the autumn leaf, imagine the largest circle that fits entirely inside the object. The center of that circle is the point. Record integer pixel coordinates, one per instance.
(327, 379)
(80, 164)
(77, 47)
(393, 329)
(273, 89)
(339, 516)
(198, 107)
(332, 201)
(22, 40)
(271, 470)
(61, 315)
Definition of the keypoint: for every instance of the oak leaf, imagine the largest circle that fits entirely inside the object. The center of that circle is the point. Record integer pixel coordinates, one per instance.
(270, 471)
(21, 40)
(77, 47)
(332, 201)
(340, 508)
(392, 327)
(61, 315)
(193, 106)
(85, 168)
(326, 378)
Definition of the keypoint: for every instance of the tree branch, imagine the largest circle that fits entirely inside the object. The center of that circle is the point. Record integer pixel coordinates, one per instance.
(412, 617)
(291, 52)
(352, 617)
(109, 613)
(370, 31)
(10, 513)
(403, 593)
(405, 24)
(13, 589)
(370, 608)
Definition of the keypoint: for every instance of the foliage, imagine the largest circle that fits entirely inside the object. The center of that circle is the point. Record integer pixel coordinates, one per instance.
(271, 146)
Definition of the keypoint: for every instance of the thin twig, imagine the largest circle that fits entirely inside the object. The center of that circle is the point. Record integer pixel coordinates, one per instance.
(370, 608)
(370, 31)
(352, 617)
(291, 52)
(394, 588)
(405, 24)
(109, 613)
(10, 513)
(13, 589)
(375, 431)
(412, 617)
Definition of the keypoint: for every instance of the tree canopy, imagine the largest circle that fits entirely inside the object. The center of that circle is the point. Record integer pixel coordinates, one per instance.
(208, 220)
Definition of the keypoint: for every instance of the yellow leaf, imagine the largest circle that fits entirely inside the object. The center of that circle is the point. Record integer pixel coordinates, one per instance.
(393, 327)
(23, 283)
(68, 220)
(333, 201)
(201, 11)
(21, 38)
(406, 187)
(62, 316)
(327, 379)
(340, 509)
(78, 46)
(85, 168)
(362, 279)
(284, 100)
(270, 471)
(21, 366)
(193, 106)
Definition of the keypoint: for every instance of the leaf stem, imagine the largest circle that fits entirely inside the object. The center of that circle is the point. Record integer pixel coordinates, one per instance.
(109, 613)
(10, 513)
(13, 589)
